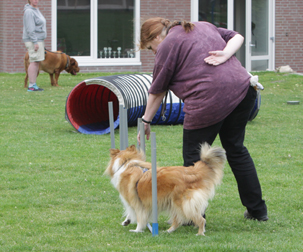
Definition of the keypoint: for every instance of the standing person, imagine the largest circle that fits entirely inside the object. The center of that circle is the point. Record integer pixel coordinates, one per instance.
(34, 34)
(196, 61)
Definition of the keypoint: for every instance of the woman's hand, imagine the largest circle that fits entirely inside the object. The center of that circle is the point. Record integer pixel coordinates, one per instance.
(153, 104)
(146, 130)
(36, 47)
(216, 58)
(219, 57)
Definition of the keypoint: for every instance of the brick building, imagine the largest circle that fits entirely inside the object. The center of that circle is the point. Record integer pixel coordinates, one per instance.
(102, 34)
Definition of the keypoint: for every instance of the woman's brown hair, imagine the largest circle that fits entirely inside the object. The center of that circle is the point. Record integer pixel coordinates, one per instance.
(154, 27)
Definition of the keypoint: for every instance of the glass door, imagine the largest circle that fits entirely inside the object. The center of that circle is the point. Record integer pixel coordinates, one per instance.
(258, 38)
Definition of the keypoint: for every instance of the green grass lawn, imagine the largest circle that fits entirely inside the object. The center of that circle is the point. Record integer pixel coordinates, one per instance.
(54, 197)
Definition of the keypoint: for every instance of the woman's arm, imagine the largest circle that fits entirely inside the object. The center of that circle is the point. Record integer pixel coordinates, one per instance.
(232, 46)
(153, 104)
(30, 26)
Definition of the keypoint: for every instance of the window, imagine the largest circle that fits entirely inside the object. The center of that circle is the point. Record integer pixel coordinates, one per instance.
(73, 27)
(116, 29)
(214, 12)
(98, 32)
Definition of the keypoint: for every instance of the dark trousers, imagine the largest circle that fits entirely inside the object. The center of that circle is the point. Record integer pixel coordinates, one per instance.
(232, 133)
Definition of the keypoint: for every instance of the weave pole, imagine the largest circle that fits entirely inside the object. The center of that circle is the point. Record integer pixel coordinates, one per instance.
(154, 229)
(111, 124)
(123, 128)
(125, 132)
(142, 135)
(154, 184)
(139, 122)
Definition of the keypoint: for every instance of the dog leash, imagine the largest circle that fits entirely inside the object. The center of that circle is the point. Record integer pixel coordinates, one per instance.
(163, 110)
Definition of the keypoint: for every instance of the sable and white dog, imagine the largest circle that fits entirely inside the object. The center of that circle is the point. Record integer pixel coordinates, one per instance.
(183, 192)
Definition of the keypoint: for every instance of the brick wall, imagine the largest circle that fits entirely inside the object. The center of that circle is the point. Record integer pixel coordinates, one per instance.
(289, 34)
(170, 9)
(12, 48)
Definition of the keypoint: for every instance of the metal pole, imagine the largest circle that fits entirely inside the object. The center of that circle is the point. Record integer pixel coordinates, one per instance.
(139, 122)
(142, 137)
(111, 124)
(125, 128)
(154, 184)
(121, 125)
(141, 146)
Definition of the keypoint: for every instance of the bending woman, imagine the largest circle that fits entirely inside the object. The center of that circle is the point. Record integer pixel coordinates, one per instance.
(196, 61)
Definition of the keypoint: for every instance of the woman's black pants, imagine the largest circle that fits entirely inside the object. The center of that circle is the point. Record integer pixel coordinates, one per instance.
(232, 133)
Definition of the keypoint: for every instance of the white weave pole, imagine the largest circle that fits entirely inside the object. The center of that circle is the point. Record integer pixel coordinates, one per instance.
(139, 122)
(154, 184)
(111, 124)
(140, 128)
(121, 121)
(123, 130)
(142, 135)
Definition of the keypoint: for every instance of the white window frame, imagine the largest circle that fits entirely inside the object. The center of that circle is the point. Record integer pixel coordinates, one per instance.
(93, 59)
(194, 10)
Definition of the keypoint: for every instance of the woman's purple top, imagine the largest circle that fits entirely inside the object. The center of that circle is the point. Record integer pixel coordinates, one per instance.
(210, 93)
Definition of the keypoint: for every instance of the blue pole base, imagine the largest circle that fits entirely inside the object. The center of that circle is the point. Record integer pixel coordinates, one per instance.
(155, 230)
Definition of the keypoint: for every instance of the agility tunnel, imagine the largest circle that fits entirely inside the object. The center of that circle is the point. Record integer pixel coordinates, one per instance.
(87, 104)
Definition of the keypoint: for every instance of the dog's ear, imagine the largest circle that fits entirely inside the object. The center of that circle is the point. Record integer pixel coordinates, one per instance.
(72, 61)
(114, 152)
(132, 148)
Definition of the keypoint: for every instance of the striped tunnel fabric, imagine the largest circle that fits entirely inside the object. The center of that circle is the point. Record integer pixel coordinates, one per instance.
(87, 104)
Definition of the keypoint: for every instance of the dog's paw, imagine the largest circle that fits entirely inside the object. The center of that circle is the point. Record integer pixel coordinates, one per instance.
(202, 234)
(125, 223)
(136, 231)
(170, 230)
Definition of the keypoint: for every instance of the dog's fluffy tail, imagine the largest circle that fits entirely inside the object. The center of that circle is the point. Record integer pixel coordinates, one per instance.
(215, 159)
(211, 169)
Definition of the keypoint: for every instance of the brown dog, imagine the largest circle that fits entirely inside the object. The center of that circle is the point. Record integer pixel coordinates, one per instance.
(182, 192)
(54, 63)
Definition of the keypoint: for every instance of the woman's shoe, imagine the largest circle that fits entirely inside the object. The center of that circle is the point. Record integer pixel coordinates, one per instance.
(248, 216)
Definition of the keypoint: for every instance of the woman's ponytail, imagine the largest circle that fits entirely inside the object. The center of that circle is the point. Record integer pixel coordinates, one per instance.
(187, 26)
